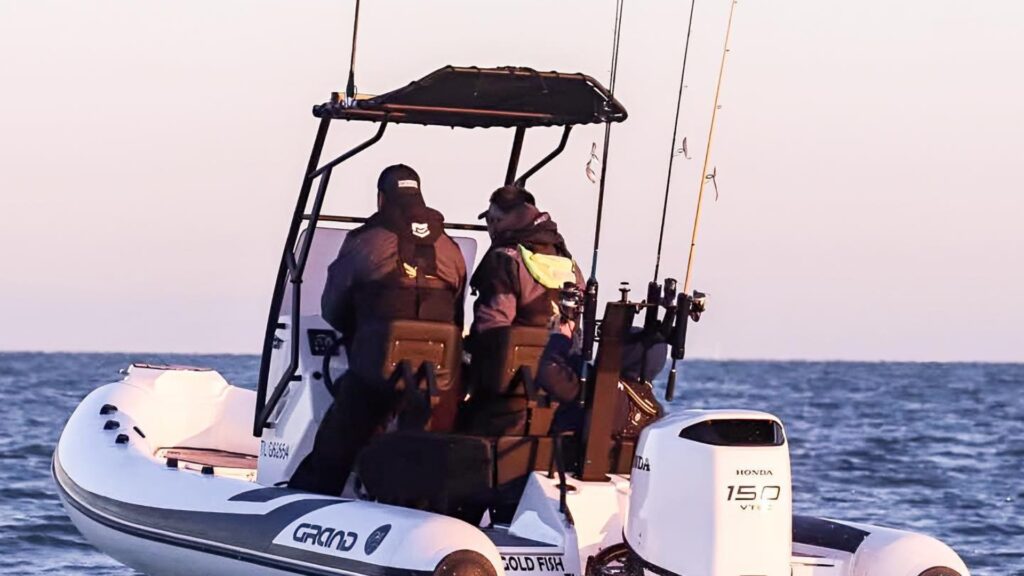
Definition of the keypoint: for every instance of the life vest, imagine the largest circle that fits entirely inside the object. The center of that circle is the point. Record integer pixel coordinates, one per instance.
(408, 292)
(550, 272)
(530, 262)
(410, 289)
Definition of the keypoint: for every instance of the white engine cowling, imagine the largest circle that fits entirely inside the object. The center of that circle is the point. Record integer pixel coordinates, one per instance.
(712, 495)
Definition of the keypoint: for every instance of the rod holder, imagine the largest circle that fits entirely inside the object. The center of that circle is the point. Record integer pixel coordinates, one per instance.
(670, 386)
(678, 343)
(589, 319)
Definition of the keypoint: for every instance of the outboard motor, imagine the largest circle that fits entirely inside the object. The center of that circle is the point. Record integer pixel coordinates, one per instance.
(711, 495)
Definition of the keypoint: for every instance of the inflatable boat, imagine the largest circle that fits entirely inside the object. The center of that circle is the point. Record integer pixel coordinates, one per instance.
(160, 471)
(174, 471)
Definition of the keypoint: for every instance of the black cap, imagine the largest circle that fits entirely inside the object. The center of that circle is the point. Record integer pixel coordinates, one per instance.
(398, 179)
(509, 197)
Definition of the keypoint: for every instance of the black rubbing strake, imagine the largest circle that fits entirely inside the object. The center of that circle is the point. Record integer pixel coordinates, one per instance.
(210, 532)
(827, 534)
(263, 494)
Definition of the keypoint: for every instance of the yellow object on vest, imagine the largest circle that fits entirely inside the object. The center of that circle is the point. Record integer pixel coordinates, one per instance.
(550, 271)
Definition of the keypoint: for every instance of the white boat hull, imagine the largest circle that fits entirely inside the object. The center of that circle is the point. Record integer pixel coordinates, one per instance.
(165, 516)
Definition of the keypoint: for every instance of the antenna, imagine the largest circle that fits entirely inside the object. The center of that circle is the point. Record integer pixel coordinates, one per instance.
(691, 305)
(350, 88)
(672, 150)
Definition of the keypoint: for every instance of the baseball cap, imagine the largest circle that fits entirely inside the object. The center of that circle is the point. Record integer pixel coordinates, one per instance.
(398, 179)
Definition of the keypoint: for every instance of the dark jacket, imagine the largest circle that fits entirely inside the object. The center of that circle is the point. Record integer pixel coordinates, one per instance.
(508, 295)
(399, 265)
(556, 375)
(641, 364)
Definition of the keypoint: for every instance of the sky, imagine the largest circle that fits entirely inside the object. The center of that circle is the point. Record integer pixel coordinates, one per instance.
(867, 154)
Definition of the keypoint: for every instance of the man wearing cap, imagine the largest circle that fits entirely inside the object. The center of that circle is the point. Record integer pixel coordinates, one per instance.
(517, 284)
(399, 265)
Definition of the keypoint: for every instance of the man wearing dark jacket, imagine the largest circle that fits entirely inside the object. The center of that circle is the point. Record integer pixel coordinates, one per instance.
(400, 265)
(517, 284)
(641, 364)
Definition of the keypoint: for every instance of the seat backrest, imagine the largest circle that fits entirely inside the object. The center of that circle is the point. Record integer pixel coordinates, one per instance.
(438, 344)
(524, 349)
(522, 358)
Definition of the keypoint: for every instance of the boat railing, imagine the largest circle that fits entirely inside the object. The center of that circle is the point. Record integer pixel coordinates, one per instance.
(294, 265)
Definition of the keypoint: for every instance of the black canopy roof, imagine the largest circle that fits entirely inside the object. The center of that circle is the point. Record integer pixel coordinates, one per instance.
(486, 97)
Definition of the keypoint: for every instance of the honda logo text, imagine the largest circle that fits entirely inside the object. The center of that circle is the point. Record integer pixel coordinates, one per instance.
(754, 472)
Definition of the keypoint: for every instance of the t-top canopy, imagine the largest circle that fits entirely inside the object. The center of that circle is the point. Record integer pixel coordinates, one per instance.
(486, 97)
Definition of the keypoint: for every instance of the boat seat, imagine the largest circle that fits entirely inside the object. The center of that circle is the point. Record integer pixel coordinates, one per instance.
(455, 474)
(444, 473)
(518, 391)
(523, 350)
(526, 346)
(431, 354)
(515, 457)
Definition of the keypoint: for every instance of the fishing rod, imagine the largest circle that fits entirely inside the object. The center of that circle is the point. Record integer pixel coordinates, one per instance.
(691, 305)
(655, 331)
(616, 37)
(350, 88)
(672, 150)
(590, 295)
(707, 154)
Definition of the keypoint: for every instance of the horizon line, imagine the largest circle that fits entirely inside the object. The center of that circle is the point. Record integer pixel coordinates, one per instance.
(691, 359)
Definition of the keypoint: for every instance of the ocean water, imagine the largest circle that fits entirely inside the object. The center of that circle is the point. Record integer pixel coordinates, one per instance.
(936, 448)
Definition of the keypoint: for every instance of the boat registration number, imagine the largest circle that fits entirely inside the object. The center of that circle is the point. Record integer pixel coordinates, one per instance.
(273, 450)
